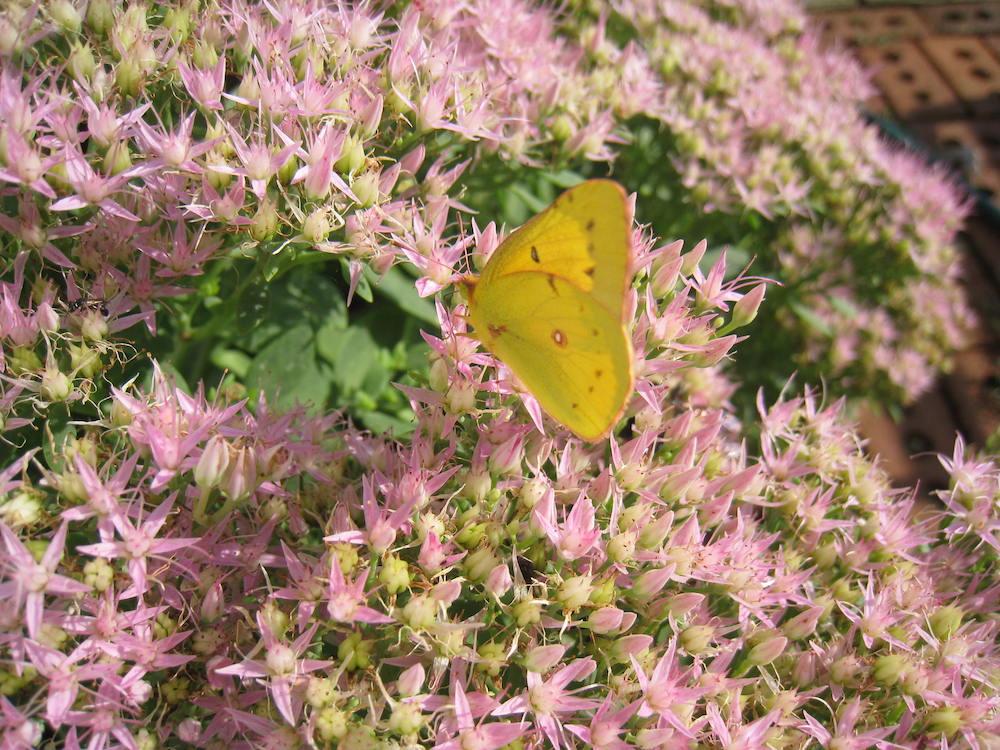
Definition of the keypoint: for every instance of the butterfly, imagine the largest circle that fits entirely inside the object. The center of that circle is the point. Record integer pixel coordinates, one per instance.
(550, 304)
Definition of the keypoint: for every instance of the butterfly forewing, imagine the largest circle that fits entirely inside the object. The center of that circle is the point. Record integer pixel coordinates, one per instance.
(583, 238)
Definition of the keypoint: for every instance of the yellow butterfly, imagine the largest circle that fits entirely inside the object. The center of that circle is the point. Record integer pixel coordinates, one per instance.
(550, 304)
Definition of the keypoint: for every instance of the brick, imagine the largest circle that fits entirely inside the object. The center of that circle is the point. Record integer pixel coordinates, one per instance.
(872, 25)
(974, 388)
(968, 66)
(913, 86)
(993, 42)
(962, 18)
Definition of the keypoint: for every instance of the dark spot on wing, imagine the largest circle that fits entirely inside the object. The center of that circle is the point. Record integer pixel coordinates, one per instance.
(589, 270)
(534, 253)
(552, 284)
(590, 225)
(559, 337)
(496, 330)
(590, 248)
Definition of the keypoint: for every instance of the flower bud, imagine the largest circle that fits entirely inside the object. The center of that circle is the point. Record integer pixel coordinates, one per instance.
(946, 620)
(697, 638)
(543, 658)
(55, 385)
(81, 63)
(498, 582)
(692, 258)
(23, 507)
(574, 592)
(22, 359)
(94, 326)
(946, 721)
(653, 533)
(478, 564)
(527, 613)
(406, 719)
(532, 491)
(117, 159)
(189, 731)
(420, 613)
(213, 605)
(411, 681)
(128, 76)
(320, 692)
(331, 724)
(265, 221)
(607, 620)
(316, 227)
(395, 574)
(767, 651)
(354, 652)
(213, 463)
(621, 547)
(492, 658)
(100, 16)
(365, 187)
(650, 583)
(803, 624)
(889, 669)
(630, 645)
(506, 458)
(241, 475)
(65, 14)
(460, 398)
(352, 157)
(745, 309)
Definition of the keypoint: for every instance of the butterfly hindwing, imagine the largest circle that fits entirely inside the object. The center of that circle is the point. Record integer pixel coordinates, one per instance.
(571, 354)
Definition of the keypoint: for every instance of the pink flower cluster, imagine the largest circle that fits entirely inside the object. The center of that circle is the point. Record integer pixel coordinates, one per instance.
(262, 579)
(184, 567)
(768, 143)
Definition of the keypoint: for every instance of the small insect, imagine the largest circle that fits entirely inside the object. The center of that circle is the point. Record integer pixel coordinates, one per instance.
(527, 569)
(88, 303)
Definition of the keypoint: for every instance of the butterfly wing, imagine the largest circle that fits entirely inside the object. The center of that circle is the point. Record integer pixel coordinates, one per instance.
(582, 238)
(570, 352)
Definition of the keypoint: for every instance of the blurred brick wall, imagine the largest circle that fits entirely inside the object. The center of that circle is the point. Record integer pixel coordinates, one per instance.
(937, 68)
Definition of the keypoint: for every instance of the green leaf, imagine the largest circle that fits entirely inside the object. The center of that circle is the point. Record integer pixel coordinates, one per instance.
(352, 354)
(844, 306)
(288, 371)
(232, 360)
(300, 297)
(398, 286)
(810, 318)
(59, 432)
